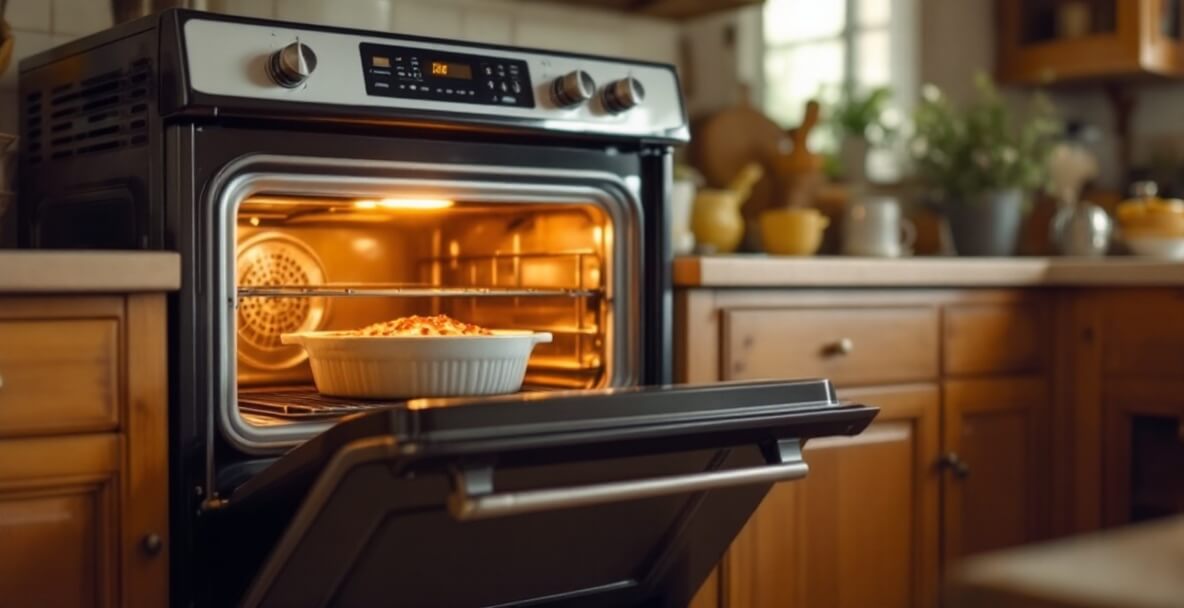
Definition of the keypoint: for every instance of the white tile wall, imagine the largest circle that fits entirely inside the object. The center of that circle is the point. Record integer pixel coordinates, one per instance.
(79, 16)
(28, 15)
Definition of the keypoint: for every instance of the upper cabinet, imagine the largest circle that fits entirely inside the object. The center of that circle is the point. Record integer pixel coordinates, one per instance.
(1055, 41)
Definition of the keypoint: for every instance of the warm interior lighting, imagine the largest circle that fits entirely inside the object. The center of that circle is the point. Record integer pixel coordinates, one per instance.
(404, 203)
(254, 221)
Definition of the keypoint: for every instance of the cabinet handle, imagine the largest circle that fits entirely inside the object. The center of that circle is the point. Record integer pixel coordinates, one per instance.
(151, 543)
(953, 462)
(840, 347)
(1, 381)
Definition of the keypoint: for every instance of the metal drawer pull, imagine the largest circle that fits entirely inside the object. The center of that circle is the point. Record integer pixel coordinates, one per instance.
(842, 346)
(464, 506)
(954, 463)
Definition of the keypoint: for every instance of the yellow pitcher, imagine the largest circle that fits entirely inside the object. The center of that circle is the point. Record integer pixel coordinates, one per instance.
(716, 219)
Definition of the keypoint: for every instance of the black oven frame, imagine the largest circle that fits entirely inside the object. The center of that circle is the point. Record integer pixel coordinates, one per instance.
(205, 151)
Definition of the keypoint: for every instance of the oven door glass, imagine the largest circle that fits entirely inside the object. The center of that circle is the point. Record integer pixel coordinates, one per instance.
(550, 253)
(622, 497)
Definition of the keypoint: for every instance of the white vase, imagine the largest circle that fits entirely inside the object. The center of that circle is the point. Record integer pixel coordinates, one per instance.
(853, 159)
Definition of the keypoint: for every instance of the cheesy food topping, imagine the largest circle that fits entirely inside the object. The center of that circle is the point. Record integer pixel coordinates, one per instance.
(415, 325)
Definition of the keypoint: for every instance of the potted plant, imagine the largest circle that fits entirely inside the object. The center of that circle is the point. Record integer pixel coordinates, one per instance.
(858, 121)
(982, 162)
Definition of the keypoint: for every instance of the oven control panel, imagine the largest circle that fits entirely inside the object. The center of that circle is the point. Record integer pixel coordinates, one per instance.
(399, 71)
(293, 63)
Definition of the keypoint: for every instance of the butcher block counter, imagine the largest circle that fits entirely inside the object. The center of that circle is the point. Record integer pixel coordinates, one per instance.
(88, 271)
(1020, 400)
(769, 271)
(83, 427)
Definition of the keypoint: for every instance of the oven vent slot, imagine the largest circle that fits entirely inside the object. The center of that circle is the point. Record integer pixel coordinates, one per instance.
(101, 113)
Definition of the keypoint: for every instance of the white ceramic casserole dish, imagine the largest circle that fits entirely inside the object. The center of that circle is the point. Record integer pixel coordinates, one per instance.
(391, 367)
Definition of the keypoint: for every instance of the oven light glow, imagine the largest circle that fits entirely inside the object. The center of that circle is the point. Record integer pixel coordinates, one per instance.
(254, 221)
(598, 235)
(414, 203)
(404, 203)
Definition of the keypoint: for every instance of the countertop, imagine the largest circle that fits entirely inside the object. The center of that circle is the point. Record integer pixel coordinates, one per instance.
(758, 270)
(89, 271)
(1133, 567)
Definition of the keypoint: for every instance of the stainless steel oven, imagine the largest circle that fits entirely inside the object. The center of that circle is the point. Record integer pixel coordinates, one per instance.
(320, 178)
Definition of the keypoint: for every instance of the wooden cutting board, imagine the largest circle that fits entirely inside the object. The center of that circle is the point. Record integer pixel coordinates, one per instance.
(727, 141)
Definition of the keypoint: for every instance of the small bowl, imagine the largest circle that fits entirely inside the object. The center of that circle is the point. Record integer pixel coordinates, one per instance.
(792, 231)
(1162, 247)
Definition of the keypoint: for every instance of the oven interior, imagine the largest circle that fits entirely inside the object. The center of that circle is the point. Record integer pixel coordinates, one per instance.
(305, 263)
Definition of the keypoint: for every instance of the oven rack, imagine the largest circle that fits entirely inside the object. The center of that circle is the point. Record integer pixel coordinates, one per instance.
(305, 403)
(406, 291)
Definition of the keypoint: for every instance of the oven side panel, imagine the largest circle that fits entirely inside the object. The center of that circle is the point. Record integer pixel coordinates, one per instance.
(91, 145)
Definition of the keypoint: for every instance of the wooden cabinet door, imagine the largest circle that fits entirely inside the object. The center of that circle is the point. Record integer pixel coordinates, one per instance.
(995, 488)
(1144, 452)
(59, 521)
(861, 529)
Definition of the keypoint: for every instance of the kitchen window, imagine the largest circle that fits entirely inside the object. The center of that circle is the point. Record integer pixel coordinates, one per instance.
(814, 47)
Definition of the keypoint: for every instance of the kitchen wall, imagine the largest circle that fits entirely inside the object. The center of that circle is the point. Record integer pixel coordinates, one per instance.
(41, 24)
(958, 39)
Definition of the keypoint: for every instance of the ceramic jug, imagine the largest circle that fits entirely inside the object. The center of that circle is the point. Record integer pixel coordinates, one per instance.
(716, 219)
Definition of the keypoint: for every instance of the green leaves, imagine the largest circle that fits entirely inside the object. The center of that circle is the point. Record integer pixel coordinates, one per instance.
(984, 146)
(862, 116)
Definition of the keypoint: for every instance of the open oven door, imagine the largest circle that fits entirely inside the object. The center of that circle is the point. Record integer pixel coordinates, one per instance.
(619, 497)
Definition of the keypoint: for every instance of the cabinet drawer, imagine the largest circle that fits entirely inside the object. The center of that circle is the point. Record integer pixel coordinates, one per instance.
(1142, 333)
(994, 338)
(850, 346)
(58, 375)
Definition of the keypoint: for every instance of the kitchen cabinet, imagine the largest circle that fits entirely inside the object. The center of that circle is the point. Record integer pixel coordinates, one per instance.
(861, 529)
(996, 464)
(1136, 343)
(1046, 41)
(957, 462)
(83, 450)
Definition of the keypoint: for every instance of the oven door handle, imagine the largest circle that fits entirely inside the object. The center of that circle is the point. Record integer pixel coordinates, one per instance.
(469, 502)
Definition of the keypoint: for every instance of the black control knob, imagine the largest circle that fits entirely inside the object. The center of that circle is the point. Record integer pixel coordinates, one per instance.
(572, 88)
(622, 95)
(292, 65)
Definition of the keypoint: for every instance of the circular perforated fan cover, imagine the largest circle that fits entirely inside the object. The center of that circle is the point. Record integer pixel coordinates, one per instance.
(272, 259)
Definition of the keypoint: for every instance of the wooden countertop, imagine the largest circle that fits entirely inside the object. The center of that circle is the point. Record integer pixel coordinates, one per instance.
(758, 270)
(24, 271)
(1135, 567)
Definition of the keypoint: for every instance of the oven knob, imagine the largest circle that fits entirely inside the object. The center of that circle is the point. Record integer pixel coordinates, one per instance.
(572, 88)
(622, 95)
(290, 66)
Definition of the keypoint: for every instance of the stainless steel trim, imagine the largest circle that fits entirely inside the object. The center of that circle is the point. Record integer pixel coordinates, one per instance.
(225, 58)
(332, 290)
(335, 177)
(466, 507)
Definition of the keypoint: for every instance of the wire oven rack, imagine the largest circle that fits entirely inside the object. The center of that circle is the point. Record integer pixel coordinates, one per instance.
(302, 403)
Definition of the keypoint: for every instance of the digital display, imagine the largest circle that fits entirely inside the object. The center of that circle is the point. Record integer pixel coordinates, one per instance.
(452, 70)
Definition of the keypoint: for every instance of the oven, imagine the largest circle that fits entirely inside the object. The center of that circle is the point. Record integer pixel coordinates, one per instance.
(316, 178)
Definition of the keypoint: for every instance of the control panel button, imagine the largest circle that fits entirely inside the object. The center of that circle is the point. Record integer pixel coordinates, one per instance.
(622, 95)
(572, 88)
(290, 66)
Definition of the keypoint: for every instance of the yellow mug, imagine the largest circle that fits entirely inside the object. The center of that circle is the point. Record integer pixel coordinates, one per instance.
(792, 231)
